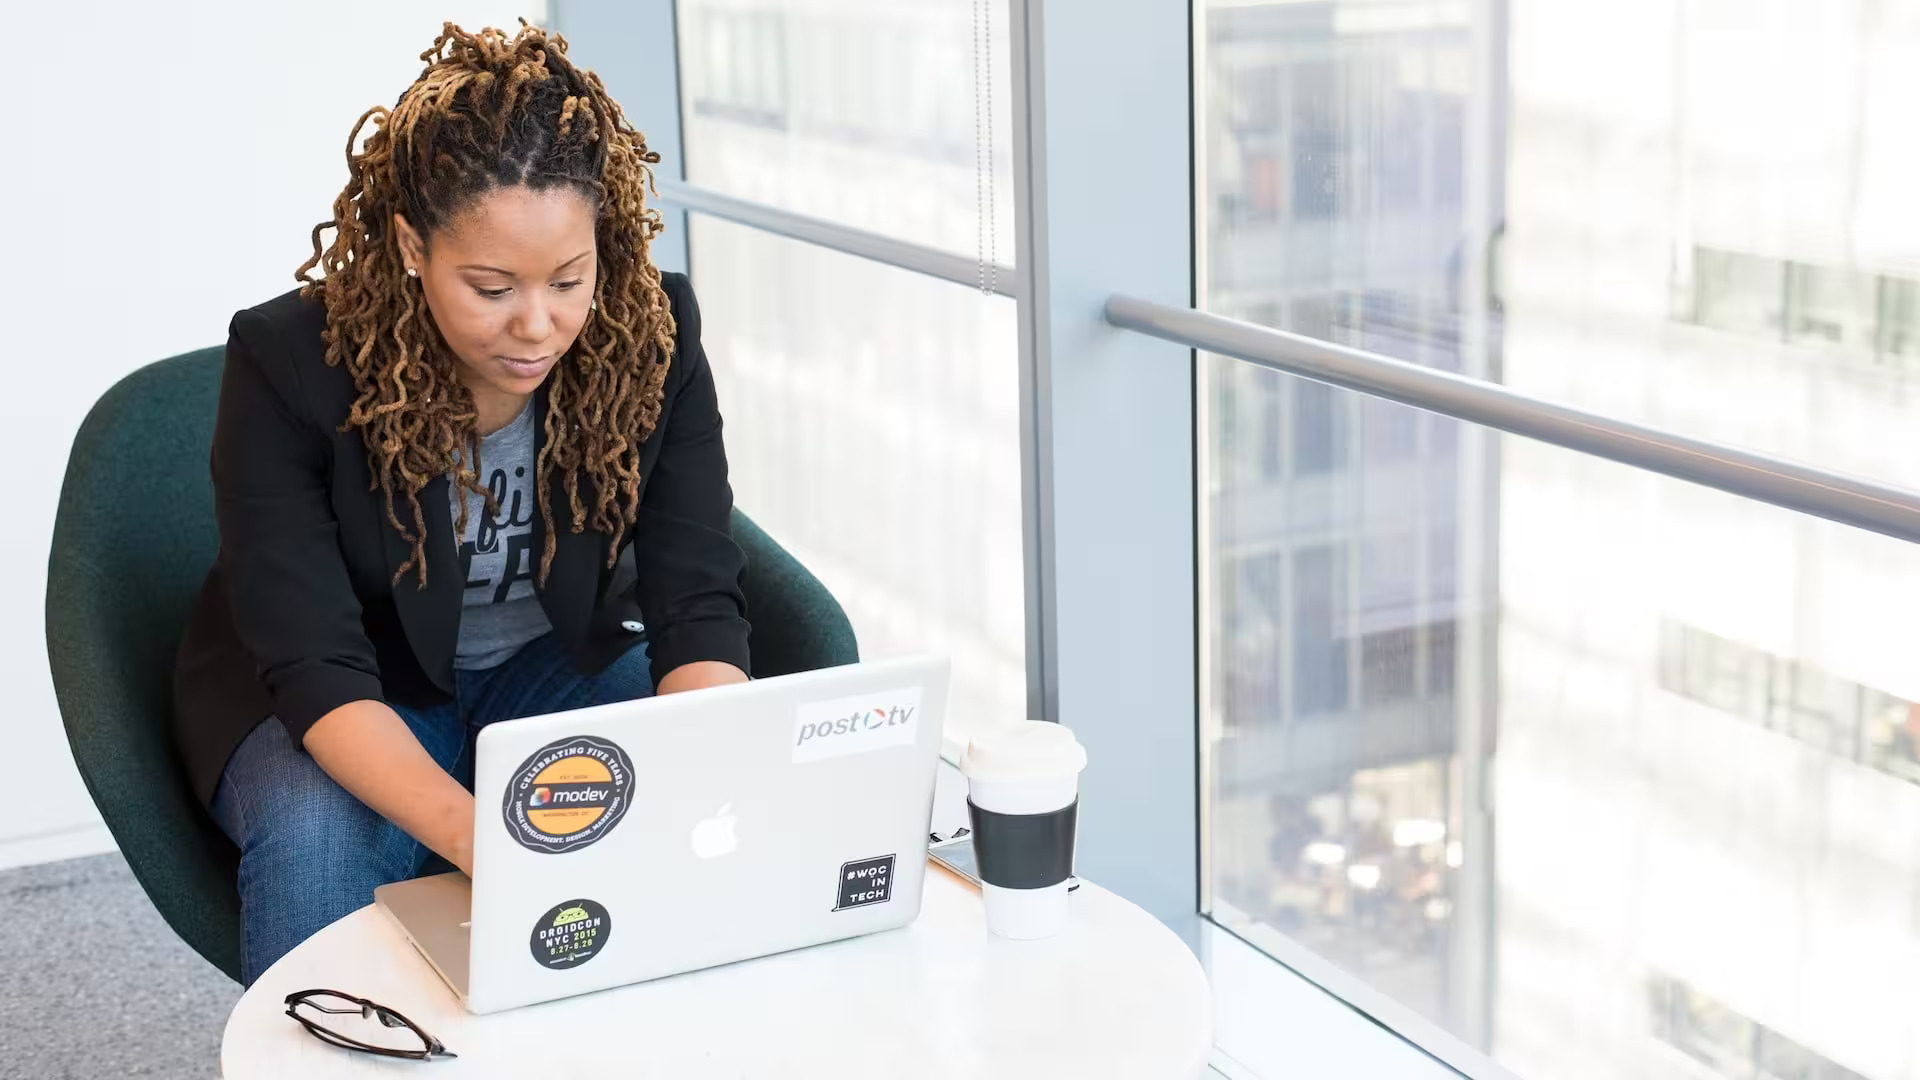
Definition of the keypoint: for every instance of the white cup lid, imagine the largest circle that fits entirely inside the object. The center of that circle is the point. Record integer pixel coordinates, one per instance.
(1026, 750)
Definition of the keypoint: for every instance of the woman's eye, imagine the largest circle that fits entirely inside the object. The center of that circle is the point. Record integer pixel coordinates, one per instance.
(563, 286)
(492, 294)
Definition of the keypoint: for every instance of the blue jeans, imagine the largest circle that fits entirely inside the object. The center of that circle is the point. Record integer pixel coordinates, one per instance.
(311, 853)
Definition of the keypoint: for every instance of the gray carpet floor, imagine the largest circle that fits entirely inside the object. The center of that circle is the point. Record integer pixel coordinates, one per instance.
(94, 984)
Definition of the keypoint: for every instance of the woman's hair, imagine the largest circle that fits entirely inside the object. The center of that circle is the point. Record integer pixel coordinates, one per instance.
(492, 112)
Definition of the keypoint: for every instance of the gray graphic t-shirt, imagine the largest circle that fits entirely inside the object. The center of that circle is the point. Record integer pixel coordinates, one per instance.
(500, 612)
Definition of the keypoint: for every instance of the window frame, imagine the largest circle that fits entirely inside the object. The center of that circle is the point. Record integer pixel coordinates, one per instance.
(1109, 454)
(634, 48)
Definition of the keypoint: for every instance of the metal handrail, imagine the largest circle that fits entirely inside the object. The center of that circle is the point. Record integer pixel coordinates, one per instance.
(1881, 508)
(919, 258)
(1808, 489)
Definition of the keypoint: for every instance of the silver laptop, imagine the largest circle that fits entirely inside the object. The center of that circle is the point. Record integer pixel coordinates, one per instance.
(633, 841)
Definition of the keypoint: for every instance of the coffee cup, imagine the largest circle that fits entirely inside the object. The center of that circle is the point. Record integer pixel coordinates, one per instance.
(1023, 787)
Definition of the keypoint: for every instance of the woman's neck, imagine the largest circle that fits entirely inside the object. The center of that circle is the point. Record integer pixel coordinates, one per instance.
(497, 410)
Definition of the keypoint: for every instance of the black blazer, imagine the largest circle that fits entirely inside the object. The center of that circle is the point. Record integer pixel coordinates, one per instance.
(300, 614)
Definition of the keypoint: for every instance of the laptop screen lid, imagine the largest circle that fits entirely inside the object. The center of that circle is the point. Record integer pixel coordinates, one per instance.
(640, 839)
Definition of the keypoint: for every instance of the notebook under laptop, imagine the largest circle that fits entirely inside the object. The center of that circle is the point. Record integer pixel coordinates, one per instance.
(631, 841)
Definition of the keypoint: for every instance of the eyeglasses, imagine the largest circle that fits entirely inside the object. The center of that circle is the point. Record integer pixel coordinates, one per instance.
(387, 1039)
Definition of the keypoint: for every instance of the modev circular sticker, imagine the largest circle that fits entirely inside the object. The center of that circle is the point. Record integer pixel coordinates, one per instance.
(568, 795)
(570, 934)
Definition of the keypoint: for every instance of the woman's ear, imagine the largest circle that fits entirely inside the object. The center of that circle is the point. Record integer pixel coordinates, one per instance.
(413, 250)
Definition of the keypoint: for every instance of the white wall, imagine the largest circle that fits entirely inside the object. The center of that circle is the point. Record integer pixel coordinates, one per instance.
(165, 168)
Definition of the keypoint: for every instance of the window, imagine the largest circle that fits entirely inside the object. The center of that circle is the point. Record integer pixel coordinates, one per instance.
(879, 443)
(1253, 610)
(1514, 726)
(1892, 735)
(1596, 783)
(1830, 306)
(740, 74)
(1792, 697)
(1319, 646)
(1745, 294)
(860, 112)
(1319, 433)
(872, 413)
(1716, 672)
(1842, 310)
(1728, 1043)
(1369, 854)
(1899, 319)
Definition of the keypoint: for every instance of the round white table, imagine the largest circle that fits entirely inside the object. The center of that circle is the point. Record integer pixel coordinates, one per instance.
(1115, 995)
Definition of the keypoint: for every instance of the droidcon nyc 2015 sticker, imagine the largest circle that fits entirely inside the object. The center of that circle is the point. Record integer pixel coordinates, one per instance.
(570, 934)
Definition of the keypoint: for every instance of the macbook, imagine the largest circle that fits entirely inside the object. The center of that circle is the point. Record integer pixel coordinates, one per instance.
(637, 840)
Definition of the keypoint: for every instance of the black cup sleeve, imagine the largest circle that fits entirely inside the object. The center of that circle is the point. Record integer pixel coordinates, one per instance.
(1024, 851)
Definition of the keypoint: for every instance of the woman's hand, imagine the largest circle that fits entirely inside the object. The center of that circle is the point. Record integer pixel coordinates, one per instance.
(699, 675)
(462, 842)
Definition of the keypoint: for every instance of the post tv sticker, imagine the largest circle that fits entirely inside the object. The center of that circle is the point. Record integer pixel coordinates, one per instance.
(568, 795)
(831, 729)
(570, 934)
(865, 882)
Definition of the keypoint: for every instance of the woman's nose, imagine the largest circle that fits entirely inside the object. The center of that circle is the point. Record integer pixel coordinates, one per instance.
(535, 322)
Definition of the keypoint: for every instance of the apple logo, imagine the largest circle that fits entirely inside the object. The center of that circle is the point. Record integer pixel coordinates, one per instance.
(714, 837)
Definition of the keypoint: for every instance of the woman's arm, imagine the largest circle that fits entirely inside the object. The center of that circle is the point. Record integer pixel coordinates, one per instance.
(688, 567)
(370, 751)
(699, 675)
(288, 592)
(294, 606)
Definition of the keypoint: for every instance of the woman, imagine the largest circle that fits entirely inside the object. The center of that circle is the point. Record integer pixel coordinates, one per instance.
(427, 468)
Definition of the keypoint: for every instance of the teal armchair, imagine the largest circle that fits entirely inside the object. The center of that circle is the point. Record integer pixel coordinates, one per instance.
(132, 541)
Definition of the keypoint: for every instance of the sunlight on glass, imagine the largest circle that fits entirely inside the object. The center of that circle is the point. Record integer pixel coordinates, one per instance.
(1608, 775)
(872, 414)
(873, 428)
(864, 112)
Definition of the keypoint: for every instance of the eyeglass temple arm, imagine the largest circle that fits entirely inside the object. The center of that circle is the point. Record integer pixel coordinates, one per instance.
(386, 1016)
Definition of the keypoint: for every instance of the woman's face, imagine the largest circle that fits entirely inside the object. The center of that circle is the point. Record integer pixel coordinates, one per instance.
(510, 282)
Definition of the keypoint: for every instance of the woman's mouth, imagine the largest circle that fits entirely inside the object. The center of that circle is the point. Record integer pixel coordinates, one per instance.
(527, 367)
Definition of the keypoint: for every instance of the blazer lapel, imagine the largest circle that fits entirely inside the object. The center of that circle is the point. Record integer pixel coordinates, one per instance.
(431, 616)
(568, 594)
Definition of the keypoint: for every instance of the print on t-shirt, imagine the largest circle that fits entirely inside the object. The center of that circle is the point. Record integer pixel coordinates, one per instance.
(499, 611)
(499, 553)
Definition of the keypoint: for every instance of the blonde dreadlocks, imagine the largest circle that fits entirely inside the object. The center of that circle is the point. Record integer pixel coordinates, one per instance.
(490, 112)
